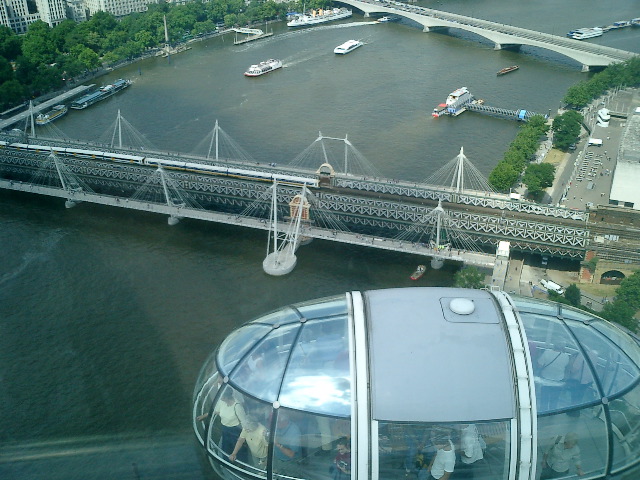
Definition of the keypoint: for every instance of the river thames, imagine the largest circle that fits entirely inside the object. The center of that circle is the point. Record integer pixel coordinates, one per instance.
(106, 316)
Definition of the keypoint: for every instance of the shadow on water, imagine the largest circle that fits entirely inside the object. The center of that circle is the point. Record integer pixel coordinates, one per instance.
(80, 353)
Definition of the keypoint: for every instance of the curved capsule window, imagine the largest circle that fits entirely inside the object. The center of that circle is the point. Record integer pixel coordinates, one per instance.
(417, 382)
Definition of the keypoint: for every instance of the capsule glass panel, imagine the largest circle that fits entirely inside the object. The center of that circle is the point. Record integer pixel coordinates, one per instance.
(318, 377)
(425, 450)
(262, 370)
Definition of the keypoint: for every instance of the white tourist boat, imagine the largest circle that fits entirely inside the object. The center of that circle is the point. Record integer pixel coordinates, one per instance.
(263, 67)
(316, 17)
(53, 114)
(348, 46)
(584, 33)
(458, 95)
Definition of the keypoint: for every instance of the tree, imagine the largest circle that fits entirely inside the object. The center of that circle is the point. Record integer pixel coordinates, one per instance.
(626, 304)
(11, 93)
(539, 176)
(10, 43)
(61, 32)
(37, 45)
(578, 95)
(6, 71)
(468, 277)
(622, 314)
(503, 176)
(88, 58)
(566, 129)
(572, 293)
(629, 291)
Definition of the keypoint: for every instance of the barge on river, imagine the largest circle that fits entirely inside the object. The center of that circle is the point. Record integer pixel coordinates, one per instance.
(102, 93)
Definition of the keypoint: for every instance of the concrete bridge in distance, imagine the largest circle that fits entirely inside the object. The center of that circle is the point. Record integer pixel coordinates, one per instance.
(503, 36)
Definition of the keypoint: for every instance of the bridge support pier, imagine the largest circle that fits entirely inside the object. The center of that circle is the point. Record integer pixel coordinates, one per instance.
(507, 46)
(437, 263)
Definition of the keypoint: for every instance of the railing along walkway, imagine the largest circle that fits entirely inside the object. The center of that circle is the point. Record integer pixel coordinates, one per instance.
(470, 258)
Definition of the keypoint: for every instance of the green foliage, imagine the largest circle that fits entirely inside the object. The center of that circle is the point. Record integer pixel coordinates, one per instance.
(468, 277)
(11, 93)
(626, 303)
(503, 176)
(6, 71)
(521, 150)
(566, 129)
(629, 291)
(10, 43)
(45, 56)
(556, 297)
(591, 264)
(617, 75)
(38, 45)
(539, 176)
(622, 314)
(573, 295)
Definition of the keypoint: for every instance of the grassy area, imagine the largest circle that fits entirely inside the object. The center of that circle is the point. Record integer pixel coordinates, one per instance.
(598, 289)
(555, 157)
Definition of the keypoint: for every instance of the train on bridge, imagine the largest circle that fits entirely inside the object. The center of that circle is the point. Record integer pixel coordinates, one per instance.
(191, 167)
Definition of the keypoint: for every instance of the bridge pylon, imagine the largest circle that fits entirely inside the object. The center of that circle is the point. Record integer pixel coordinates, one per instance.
(437, 263)
(282, 259)
(171, 201)
(68, 181)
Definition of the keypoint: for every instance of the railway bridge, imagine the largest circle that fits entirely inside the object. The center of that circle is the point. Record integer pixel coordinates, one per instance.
(445, 223)
(503, 36)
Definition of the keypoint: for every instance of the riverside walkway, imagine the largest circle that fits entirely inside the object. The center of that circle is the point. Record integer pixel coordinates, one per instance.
(44, 105)
(504, 36)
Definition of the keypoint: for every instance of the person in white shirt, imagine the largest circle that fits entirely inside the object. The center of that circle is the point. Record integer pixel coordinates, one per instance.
(563, 454)
(471, 450)
(443, 463)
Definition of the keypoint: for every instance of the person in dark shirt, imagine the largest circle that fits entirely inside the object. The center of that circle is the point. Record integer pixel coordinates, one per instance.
(341, 467)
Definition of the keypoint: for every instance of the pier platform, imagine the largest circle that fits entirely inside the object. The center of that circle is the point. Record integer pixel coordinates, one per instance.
(251, 38)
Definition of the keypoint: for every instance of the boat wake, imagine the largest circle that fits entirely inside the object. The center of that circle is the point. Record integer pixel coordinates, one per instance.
(290, 62)
(304, 31)
(30, 257)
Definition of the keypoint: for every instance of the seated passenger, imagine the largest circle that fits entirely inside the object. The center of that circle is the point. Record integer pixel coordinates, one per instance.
(561, 456)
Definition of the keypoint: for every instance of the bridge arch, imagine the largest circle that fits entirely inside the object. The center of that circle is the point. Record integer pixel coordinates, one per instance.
(503, 36)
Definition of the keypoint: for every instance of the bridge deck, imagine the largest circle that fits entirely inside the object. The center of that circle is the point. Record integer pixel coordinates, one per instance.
(588, 54)
(470, 258)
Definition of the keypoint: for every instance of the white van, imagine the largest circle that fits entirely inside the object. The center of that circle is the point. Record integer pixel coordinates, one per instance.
(549, 285)
(595, 141)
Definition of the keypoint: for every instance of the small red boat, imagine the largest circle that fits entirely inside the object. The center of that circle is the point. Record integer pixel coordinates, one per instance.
(507, 69)
(419, 272)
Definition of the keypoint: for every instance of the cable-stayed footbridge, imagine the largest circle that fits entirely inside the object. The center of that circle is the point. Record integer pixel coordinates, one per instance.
(448, 217)
(503, 36)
